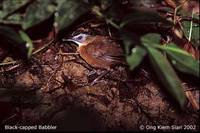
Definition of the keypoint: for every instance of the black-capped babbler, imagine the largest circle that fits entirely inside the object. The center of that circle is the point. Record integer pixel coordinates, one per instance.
(98, 51)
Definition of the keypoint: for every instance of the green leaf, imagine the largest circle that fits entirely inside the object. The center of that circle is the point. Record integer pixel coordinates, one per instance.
(68, 12)
(13, 40)
(194, 33)
(136, 57)
(29, 44)
(182, 60)
(9, 35)
(167, 75)
(163, 68)
(128, 42)
(129, 39)
(38, 12)
(151, 39)
(1, 4)
(191, 30)
(10, 7)
(142, 17)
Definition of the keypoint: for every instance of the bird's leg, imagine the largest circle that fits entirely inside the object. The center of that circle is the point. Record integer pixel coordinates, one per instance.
(92, 72)
(99, 77)
(95, 72)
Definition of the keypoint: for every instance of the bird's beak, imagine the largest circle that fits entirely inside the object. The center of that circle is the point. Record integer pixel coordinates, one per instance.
(70, 40)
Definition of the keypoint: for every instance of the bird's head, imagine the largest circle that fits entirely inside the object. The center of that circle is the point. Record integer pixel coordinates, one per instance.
(80, 39)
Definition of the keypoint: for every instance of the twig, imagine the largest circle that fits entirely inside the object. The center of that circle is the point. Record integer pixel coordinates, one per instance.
(11, 23)
(8, 63)
(191, 27)
(109, 31)
(192, 100)
(35, 52)
(176, 10)
(9, 118)
(190, 90)
(45, 46)
(99, 77)
(53, 74)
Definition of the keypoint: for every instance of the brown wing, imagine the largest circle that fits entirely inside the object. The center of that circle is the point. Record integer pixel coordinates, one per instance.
(106, 49)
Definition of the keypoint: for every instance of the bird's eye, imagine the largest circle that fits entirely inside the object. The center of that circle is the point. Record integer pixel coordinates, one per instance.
(80, 37)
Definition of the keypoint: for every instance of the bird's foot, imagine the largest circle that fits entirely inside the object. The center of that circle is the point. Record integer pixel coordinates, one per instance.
(99, 77)
(92, 72)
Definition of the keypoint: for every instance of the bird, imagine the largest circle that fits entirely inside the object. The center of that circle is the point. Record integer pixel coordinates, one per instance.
(98, 51)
